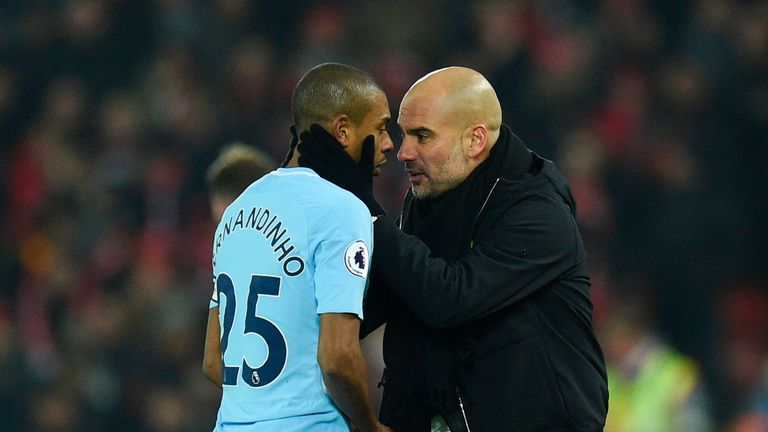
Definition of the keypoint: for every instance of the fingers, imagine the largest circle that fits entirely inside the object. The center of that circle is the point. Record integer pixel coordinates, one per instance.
(322, 134)
(317, 129)
(321, 152)
(367, 156)
(320, 141)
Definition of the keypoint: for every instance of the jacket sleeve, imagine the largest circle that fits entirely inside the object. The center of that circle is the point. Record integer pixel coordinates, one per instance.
(375, 304)
(531, 245)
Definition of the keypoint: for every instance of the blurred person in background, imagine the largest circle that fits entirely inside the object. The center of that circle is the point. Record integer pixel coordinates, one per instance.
(483, 285)
(291, 260)
(653, 386)
(236, 168)
(232, 172)
(753, 417)
(745, 354)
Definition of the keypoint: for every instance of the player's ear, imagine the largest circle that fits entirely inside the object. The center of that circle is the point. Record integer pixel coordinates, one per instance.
(478, 139)
(341, 130)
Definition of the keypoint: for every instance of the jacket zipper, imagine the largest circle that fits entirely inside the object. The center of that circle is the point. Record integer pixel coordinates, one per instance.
(471, 245)
(477, 217)
(461, 407)
(486, 199)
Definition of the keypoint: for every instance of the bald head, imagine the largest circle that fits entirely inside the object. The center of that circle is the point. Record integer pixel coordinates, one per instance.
(450, 120)
(461, 94)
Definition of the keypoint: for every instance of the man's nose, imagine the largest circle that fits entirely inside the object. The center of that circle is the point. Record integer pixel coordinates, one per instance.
(387, 145)
(406, 152)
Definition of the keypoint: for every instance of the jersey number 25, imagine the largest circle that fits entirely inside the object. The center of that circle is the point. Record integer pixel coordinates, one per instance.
(268, 372)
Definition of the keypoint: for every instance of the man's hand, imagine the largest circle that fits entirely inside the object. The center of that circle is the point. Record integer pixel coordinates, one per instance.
(321, 152)
(212, 353)
(343, 366)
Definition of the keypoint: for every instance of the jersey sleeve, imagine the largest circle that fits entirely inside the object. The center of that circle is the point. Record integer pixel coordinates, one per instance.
(342, 257)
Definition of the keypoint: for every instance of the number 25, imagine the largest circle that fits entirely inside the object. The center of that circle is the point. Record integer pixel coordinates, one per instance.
(276, 356)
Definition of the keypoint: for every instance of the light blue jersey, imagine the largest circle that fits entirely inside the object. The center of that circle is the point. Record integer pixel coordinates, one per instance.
(291, 247)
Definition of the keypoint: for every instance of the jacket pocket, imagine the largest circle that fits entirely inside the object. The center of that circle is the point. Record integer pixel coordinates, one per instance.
(513, 386)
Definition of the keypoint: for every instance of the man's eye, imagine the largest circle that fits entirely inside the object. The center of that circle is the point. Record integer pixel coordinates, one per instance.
(421, 137)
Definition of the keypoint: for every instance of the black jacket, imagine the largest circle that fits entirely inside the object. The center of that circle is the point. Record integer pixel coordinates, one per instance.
(507, 325)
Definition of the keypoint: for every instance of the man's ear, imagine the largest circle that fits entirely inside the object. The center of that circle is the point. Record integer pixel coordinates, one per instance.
(478, 135)
(341, 129)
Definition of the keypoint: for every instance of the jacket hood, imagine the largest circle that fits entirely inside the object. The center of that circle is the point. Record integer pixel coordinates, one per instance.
(541, 176)
(558, 182)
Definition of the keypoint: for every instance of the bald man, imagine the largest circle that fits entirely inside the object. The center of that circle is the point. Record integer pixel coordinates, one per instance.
(484, 284)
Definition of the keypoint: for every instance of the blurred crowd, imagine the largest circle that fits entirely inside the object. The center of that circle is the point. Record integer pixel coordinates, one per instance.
(111, 110)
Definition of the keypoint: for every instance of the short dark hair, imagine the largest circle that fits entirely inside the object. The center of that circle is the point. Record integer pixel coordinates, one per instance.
(237, 166)
(331, 89)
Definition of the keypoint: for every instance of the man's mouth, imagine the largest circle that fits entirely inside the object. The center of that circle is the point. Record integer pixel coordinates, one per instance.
(416, 176)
